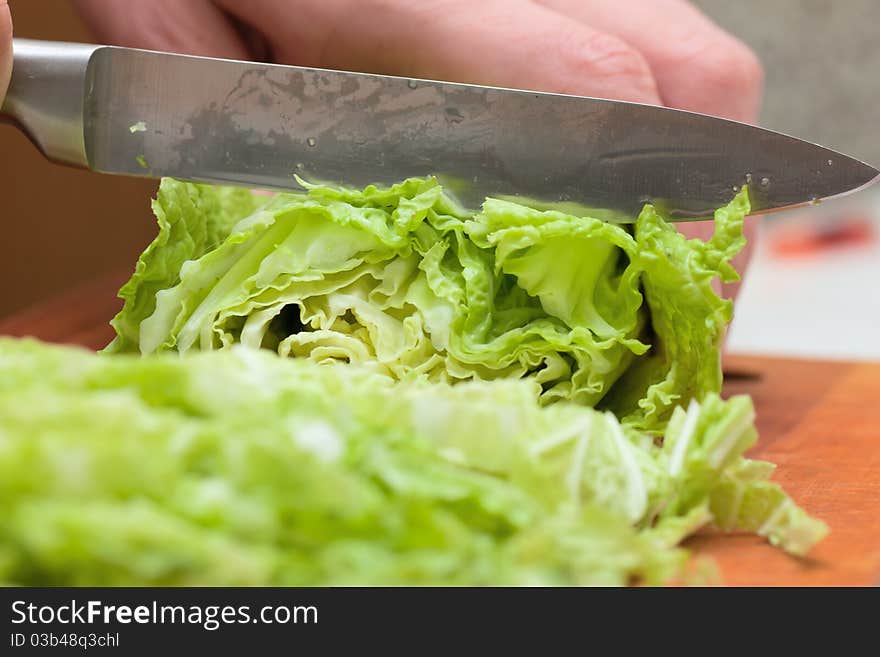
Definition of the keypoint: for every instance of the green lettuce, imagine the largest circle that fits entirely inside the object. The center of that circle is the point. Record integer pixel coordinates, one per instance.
(407, 283)
(236, 467)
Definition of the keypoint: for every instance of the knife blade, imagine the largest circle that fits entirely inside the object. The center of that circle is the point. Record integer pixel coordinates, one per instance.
(143, 113)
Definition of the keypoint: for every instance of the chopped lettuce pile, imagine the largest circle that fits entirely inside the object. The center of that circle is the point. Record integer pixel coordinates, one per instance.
(408, 284)
(238, 467)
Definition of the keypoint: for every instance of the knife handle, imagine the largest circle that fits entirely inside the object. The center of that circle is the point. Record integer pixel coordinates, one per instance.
(46, 96)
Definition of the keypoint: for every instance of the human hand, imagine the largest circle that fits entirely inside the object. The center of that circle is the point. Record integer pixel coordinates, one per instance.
(653, 51)
(663, 52)
(5, 48)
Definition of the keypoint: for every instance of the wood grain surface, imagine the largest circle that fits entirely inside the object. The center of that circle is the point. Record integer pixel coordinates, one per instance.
(819, 421)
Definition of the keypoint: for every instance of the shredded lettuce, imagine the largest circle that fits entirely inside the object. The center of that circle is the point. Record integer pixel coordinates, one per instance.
(236, 467)
(404, 281)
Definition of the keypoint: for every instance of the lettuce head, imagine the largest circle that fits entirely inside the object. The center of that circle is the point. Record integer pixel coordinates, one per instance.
(408, 284)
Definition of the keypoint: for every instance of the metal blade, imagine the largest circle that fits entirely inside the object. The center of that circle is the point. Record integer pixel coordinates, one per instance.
(224, 121)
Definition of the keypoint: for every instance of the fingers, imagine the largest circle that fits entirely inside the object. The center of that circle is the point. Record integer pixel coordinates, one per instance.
(194, 27)
(5, 48)
(511, 43)
(697, 65)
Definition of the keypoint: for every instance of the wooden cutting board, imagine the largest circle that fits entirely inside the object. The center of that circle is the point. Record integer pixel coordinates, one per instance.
(819, 421)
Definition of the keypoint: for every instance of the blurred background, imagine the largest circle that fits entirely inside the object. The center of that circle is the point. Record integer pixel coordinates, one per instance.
(812, 289)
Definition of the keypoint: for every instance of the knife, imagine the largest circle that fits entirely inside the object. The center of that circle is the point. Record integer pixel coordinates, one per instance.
(142, 113)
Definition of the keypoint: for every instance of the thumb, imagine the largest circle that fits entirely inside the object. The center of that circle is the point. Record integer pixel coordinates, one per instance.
(5, 48)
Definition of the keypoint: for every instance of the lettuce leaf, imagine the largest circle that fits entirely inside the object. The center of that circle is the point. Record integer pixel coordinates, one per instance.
(405, 282)
(193, 219)
(236, 467)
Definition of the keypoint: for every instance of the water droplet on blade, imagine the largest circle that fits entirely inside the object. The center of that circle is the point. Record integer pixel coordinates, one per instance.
(765, 182)
(749, 178)
(312, 142)
(830, 162)
(412, 84)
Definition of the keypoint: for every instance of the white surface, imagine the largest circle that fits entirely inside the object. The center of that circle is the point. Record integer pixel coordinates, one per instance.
(819, 306)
